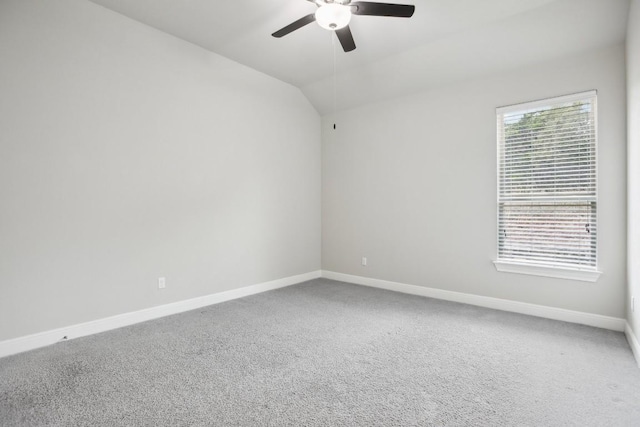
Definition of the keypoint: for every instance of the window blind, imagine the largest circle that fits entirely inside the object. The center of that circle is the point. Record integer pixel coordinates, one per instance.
(547, 186)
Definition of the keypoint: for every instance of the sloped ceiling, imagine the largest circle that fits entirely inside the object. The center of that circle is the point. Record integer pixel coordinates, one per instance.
(445, 40)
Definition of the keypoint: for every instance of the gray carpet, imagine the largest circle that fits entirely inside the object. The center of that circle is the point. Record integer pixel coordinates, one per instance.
(325, 353)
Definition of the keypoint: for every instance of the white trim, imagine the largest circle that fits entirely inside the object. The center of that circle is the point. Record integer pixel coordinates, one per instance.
(547, 271)
(30, 342)
(525, 106)
(633, 342)
(597, 320)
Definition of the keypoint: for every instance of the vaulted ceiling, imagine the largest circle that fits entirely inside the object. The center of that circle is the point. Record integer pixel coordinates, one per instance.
(445, 40)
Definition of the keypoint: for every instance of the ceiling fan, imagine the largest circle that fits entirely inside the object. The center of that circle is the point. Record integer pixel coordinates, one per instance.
(335, 15)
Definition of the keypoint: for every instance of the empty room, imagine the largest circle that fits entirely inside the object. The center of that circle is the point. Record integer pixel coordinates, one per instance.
(320, 213)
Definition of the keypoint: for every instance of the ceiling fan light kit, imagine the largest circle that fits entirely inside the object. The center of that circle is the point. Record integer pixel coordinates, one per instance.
(335, 15)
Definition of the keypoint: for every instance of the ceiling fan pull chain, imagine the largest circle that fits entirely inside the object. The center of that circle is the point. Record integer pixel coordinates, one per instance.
(335, 79)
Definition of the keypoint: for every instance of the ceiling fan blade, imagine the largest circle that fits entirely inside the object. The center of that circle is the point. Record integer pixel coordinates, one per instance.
(382, 9)
(346, 39)
(295, 25)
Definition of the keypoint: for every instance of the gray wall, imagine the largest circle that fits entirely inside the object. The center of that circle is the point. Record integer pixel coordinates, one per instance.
(633, 147)
(127, 154)
(411, 184)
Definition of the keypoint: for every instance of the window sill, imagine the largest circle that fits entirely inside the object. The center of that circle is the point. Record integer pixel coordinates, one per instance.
(546, 271)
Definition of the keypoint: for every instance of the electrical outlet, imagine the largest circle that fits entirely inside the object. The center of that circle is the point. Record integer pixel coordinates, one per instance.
(162, 283)
(364, 261)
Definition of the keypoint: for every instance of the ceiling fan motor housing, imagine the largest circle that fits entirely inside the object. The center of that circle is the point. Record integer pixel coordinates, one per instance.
(322, 2)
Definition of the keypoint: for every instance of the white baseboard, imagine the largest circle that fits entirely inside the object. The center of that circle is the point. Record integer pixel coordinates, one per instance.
(599, 321)
(30, 342)
(42, 339)
(633, 342)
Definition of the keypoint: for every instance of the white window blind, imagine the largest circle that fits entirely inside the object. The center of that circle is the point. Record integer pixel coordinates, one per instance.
(547, 187)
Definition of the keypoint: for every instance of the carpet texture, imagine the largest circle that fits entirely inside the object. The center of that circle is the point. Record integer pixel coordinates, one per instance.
(325, 353)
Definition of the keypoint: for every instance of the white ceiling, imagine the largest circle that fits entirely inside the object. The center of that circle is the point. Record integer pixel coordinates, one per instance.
(445, 40)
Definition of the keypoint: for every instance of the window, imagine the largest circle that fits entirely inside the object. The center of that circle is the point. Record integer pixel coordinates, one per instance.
(547, 187)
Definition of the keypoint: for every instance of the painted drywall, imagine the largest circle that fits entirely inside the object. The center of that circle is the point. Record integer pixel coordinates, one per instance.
(127, 154)
(633, 165)
(411, 185)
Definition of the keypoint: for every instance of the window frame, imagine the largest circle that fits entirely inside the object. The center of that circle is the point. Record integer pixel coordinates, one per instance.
(588, 274)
